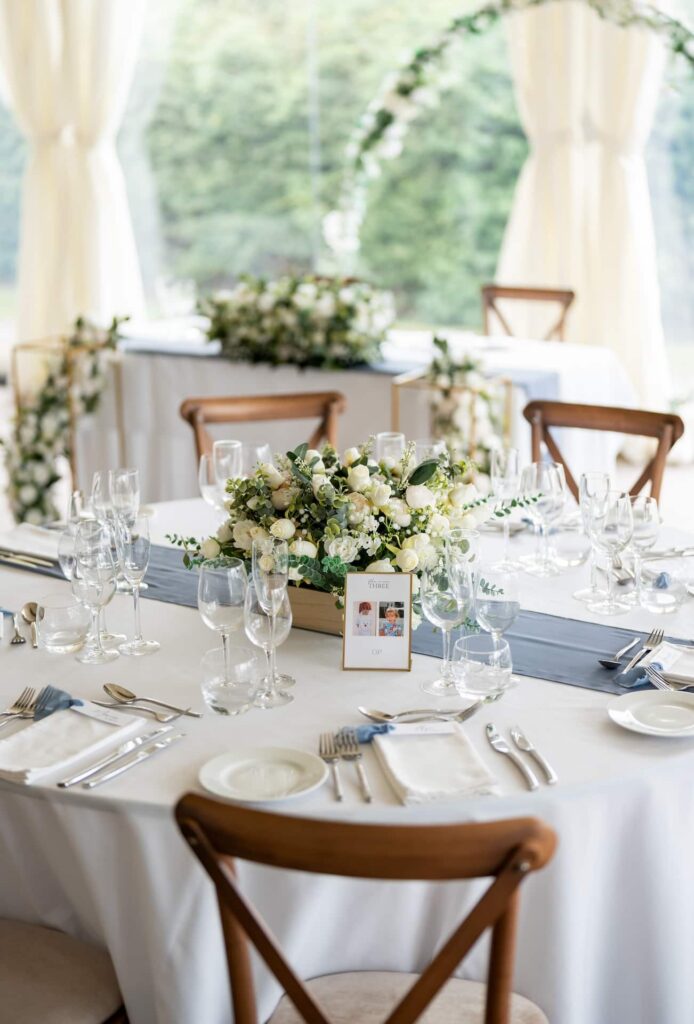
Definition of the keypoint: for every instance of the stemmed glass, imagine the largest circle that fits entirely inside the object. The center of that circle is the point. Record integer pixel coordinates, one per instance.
(270, 576)
(221, 595)
(258, 626)
(546, 480)
(496, 600)
(66, 553)
(124, 488)
(505, 479)
(646, 518)
(252, 455)
(390, 447)
(443, 607)
(211, 492)
(100, 500)
(94, 584)
(133, 543)
(227, 460)
(481, 665)
(591, 485)
(611, 525)
(75, 511)
(462, 550)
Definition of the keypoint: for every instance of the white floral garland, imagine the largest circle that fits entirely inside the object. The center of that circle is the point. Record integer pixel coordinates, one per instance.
(40, 436)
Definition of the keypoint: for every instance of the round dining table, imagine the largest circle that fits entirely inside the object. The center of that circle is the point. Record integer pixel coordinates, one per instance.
(606, 930)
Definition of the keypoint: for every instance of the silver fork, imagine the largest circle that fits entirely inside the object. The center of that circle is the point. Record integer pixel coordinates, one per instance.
(17, 638)
(348, 746)
(327, 750)
(653, 640)
(661, 683)
(23, 707)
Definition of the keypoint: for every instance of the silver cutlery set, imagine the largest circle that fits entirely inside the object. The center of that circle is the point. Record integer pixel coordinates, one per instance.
(344, 746)
(522, 743)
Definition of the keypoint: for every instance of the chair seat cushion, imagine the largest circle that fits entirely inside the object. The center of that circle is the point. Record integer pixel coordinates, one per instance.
(47, 977)
(368, 997)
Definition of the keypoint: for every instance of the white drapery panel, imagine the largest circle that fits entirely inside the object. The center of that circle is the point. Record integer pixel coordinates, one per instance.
(586, 91)
(67, 66)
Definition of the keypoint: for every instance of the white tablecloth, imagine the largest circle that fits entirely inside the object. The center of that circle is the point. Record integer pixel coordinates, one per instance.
(606, 931)
(154, 383)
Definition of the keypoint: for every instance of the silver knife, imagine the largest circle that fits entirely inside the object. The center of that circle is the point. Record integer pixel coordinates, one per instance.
(634, 661)
(134, 759)
(524, 744)
(502, 747)
(123, 749)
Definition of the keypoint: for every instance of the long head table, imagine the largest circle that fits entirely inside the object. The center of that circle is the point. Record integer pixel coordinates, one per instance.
(606, 931)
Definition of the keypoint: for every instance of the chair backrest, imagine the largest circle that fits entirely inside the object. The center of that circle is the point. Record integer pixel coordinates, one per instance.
(327, 405)
(492, 292)
(505, 851)
(665, 427)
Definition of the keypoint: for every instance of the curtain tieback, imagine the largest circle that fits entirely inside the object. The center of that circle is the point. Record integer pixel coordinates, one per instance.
(68, 136)
(543, 141)
(612, 143)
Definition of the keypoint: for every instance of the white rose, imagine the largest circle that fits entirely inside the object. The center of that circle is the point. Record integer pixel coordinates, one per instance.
(417, 542)
(359, 478)
(272, 475)
(346, 548)
(318, 481)
(319, 465)
(382, 565)
(303, 547)
(439, 525)
(380, 494)
(350, 456)
(407, 560)
(224, 533)
(462, 494)
(283, 529)
(281, 498)
(241, 532)
(398, 512)
(468, 521)
(28, 494)
(419, 496)
(258, 533)
(210, 548)
(41, 473)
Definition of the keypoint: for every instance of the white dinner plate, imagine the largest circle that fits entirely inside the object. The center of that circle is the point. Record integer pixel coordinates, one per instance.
(263, 774)
(655, 713)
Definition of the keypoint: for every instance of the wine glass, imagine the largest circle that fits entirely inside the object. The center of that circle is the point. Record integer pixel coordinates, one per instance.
(481, 665)
(390, 447)
(133, 549)
(221, 596)
(227, 462)
(505, 480)
(94, 584)
(229, 678)
(101, 504)
(270, 576)
(546, 482)
(428, 448)
(591, 485)
(445, 610)
(259, 627)
(124, 488)
(646, 518)
(497, 603)
(76, 510)
(252, 455)
(611, 526)
(66, 553)
(211, 492)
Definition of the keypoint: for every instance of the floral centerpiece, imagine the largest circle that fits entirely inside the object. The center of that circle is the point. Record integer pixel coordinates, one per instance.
(41, 431)
(307, 321)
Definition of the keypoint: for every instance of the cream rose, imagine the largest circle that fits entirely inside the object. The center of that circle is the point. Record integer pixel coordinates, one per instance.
(398, 512)
(283, 529)
(272, 474)
(462, 494)
(346, 548)
(319, 465)
(380, 494)
(281, 498)
(382, 565)
(439, 525)
(359, 478)
(419, 496)
(224, 533)
(241, 532)
(210, 548)
(350, 456)
(407, 560)
(417, 542)
(318, 481)
(303, 547)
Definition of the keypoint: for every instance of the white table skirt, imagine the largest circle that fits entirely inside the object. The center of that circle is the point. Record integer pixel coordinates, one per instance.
(606, 931)
(160, 444)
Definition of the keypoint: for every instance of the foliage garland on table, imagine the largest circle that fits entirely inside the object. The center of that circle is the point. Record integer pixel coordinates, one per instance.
(333, 323)
(41, 430)
(417, 85)
(452, 412)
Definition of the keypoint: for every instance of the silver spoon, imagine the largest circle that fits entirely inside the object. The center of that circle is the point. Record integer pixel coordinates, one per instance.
(125, 696)
(614, 662)
(29, 612)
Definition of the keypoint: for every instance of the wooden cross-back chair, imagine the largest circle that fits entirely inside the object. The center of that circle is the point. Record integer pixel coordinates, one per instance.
(505, 851)
(326, 405)
(665, 427)
(492, 292)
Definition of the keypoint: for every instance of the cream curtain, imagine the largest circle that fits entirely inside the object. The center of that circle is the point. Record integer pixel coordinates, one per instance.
(582, 218)
(67, 67)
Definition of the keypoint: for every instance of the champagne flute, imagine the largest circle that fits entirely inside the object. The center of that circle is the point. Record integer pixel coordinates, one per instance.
(258, 629)
(76, 510)
(212, 494)
(611, 527)
(505, 480)
(445, 610)
(496, 601)
(646, 518)
(221, 596)
(270, 576)
(66, 554)
(227, 461)
(133, 548)
(101, 504)
(124, 488)
(546, 482)
(591, 485)
(94, 584)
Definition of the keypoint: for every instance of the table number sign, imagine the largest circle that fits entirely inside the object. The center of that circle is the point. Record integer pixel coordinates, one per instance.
(378, 621)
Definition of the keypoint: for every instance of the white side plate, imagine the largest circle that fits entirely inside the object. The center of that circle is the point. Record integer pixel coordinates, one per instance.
(655, 713)
(263, 774)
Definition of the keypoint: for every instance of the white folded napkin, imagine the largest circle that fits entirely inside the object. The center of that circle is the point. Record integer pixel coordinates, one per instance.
(53, 744)
(31, 540)
(432, 762)
(676, 662)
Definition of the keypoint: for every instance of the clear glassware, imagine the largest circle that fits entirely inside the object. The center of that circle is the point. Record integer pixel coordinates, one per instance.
(646, 516)
(227, 462)
(270, 576)
(100, 500)
(221, 595)
(76, 511)
(229, 678)
(210, 491)
(252, 455)
(259, 630)
(94, 584)
(497, 603)
(611, 526)
(428, 448)
(591, 485)
(663, 592)
(546, 481)
(462, 549)
(390, 447)
(66, 553)
(132, 538)
(62, 623)
(108, 638)
(124, 488)
(505, 481)
(482, 665)
(443, 608)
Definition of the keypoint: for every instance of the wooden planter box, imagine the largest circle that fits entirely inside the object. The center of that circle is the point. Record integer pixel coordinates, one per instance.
(314, 609)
